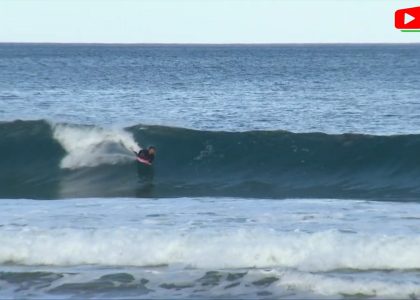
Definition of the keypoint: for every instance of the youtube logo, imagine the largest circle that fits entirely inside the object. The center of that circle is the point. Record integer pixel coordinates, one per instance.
(408, 18)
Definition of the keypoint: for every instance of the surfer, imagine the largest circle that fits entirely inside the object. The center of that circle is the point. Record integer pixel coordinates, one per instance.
(147, 156)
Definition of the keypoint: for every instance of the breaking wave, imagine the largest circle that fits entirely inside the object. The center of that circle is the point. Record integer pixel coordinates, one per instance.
(43, 160)
(91, 147)
(321, 251)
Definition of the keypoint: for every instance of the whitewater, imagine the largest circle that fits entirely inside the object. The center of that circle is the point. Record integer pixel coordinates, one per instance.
(200, 246)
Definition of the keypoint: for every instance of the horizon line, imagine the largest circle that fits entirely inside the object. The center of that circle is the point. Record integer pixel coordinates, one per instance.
(210, 44)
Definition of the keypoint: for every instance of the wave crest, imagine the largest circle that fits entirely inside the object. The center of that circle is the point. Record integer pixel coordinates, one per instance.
(93, 146)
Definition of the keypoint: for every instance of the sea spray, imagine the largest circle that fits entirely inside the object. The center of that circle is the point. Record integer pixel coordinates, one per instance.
(93, 146)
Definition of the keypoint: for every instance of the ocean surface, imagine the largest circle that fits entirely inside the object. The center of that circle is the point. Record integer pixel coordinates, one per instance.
(282, 171)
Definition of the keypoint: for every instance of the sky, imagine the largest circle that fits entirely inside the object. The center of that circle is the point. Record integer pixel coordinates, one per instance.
(203, 21)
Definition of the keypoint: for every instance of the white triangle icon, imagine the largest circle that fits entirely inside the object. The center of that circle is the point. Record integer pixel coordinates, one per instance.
(408, 18)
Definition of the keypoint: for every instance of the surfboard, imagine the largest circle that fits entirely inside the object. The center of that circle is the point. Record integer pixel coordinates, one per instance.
(143, 161)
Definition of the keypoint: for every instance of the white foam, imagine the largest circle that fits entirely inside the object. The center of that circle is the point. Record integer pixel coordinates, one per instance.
(326, 285)
(312, 248)
(321, 251)
(93, 146)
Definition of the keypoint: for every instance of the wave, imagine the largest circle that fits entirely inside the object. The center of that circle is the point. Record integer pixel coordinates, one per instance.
(50, 161)
(232, 249)
(91, 147)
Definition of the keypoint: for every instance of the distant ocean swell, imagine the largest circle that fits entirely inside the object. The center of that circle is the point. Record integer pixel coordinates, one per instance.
(39, 159)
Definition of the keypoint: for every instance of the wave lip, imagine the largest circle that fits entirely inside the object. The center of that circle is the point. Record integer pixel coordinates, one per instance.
(92, 146)
(41, 160)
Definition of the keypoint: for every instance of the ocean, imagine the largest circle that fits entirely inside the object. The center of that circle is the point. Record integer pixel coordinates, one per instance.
(282, 171)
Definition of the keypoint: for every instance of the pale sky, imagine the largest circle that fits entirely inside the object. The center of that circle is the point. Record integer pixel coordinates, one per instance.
(202, 21)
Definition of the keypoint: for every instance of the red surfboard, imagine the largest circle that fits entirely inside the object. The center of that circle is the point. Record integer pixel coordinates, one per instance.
(143, 161)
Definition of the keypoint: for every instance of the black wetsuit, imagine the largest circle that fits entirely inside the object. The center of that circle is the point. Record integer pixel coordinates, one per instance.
(144, 154)
(145, 171)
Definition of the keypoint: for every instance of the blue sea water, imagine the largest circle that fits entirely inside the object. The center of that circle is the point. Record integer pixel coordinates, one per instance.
(301, 88)
(283, 171)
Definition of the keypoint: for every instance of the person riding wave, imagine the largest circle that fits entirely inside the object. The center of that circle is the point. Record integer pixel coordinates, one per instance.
(147, 155)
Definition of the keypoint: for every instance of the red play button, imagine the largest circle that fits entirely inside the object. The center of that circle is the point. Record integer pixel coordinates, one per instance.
(408, 18)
